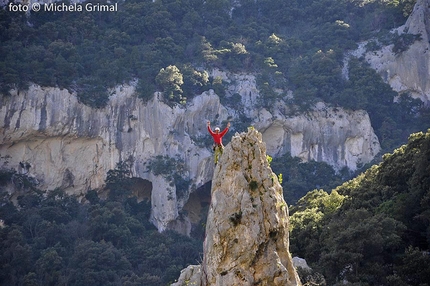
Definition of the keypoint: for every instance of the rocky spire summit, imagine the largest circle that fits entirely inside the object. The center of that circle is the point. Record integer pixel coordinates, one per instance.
(247, 240)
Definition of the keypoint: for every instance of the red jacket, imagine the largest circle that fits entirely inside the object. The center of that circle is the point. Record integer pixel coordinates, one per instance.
(217, 137)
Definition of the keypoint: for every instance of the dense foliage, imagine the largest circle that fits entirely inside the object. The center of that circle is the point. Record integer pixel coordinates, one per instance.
(50, 238)
(299, 178)
(74, 50)
(169, 45)
(374, 229)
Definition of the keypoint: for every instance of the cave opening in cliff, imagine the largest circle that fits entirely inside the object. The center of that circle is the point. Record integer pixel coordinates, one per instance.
(141, 189)
(197, 208)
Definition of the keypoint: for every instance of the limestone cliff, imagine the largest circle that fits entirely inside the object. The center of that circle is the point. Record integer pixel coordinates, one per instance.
(408, 71)
(69, 145)
(339, 137)
(247, 240)
(65, 144)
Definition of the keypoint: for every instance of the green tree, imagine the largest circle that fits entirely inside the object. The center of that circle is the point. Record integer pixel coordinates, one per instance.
(360, 234)
(170, 79)
(307, 220)
(357, 246)
(97, 263)
(300, 177)
(110, 223)
(195, 81)
(49, 266)
(15, 256)
(218, 86)
(414, 268)
(118, 181)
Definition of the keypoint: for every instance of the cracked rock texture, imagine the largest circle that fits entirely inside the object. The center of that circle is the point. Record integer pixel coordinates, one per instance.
(247, 239)
(68, 145)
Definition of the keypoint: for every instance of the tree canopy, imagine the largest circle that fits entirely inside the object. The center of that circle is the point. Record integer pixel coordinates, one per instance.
(170, 45)
(50, 238)
(375, 228)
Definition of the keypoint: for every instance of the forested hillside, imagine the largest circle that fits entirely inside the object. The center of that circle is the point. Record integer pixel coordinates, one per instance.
(50, 238)
(374, 229)
(169, 45)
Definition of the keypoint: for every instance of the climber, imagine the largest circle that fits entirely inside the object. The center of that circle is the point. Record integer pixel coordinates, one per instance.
(217, 136)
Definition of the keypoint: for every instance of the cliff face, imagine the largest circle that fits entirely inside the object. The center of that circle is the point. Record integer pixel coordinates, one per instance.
(336, 136)
(64, 144)
(69, 145)
(339, 137)
(247, 240)
(408, 71)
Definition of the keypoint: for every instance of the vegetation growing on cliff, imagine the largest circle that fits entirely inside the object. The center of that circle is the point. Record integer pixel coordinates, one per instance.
(287, 42)
(168, 45)
(173, 170)
(374, 229)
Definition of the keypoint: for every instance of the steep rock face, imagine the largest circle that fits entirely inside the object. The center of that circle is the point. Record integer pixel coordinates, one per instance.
(247, 240)
(408, 71)
(339, 137)
(68, 145)
(336, 136)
